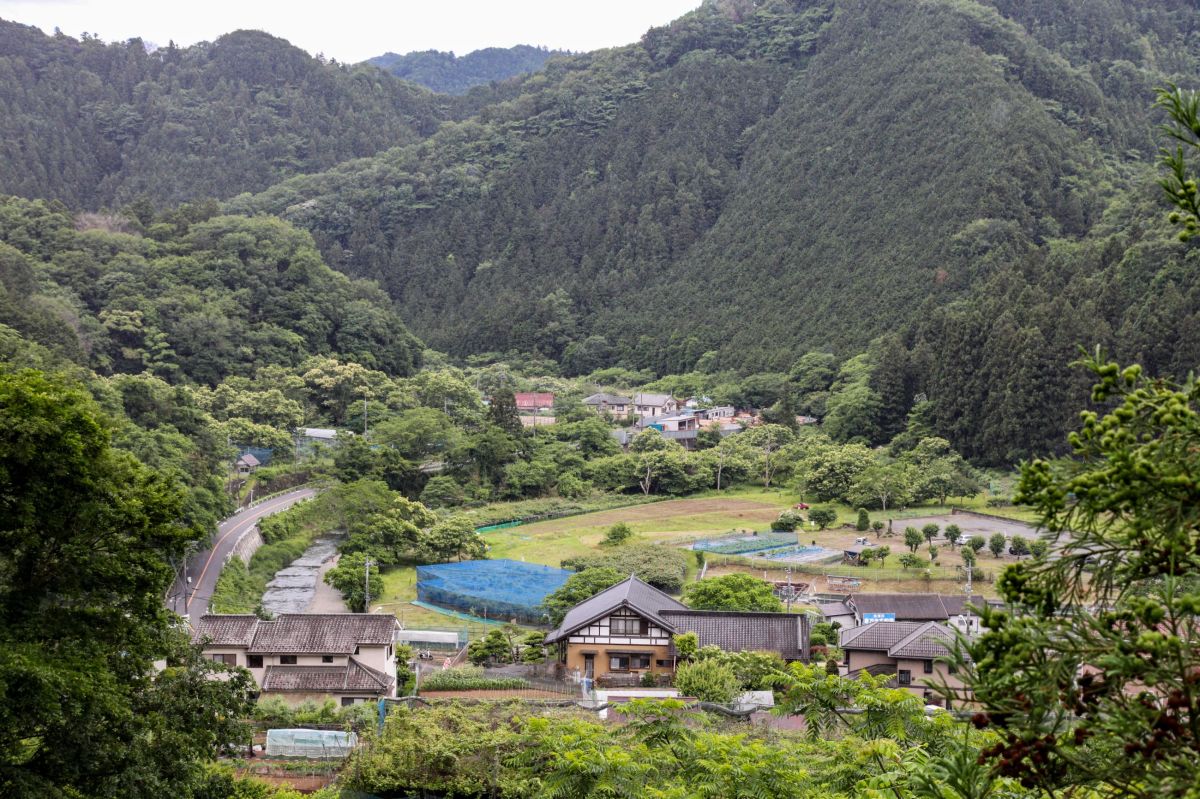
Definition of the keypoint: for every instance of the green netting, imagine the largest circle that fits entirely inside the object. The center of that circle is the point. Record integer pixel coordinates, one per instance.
(738, 544)
(493, 589)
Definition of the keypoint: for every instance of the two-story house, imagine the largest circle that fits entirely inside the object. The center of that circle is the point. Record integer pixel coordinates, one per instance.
(626, 631)
(654, 404)
(612, 404)
(301, 656)
(911, 651)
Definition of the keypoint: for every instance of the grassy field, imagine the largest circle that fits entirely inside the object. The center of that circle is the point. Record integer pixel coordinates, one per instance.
(702, 516)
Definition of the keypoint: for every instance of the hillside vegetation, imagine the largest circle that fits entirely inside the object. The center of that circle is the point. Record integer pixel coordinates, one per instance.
(447, 73)
(934, 204)
(94, 124)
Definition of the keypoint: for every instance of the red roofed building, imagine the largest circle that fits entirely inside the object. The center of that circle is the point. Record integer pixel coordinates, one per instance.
(534, 401)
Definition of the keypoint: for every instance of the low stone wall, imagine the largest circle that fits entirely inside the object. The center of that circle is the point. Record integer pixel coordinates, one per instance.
(247, 545)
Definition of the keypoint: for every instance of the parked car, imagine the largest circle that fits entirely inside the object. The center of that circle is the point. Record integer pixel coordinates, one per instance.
(801, 506)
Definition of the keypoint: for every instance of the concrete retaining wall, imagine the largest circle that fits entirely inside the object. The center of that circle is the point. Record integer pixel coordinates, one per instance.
(247, 545)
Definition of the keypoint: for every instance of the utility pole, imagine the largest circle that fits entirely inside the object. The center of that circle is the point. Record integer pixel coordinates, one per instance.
(367, 564)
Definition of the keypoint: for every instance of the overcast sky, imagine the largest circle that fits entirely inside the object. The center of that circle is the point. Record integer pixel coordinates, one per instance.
(354, 30)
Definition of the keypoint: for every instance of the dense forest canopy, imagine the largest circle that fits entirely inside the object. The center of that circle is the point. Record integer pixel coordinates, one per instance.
(447, 73)
(94, 124)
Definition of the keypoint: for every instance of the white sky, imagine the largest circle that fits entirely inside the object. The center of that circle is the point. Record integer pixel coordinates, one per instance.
(354, 30)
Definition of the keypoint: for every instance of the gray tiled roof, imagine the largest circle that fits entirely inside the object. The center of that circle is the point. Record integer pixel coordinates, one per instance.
(298, 633)
(831, 609)
(323, 633)
(956, 604)
(353, 677)
(912, 607)
(929, 642)
(603, 398)
(633, 593)
(651, 399)
(879, 636)
(901, 639)
(226, 630)
(733, 631)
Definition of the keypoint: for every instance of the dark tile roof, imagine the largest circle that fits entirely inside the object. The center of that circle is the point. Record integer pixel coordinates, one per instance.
(831, 609)
(323, 633)
(633, 593)
(901, 639)
(878, 636)
(733, 631)
(912, 607)
(298, 633)
(956, 604)
(931, 641)
(354, 677)
(225, 630)
(604, 398)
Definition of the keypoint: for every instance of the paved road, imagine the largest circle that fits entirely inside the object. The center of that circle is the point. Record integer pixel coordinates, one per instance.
(204, 567)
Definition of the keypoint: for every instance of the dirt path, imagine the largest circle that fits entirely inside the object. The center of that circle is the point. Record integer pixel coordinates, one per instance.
(326, 599)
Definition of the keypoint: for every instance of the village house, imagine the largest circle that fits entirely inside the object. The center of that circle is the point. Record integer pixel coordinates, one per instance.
(303, 656)
(247, 463)
(534, 402)
(612, 404)
(654, 404)
(942, 608)
(626, 631)
(913, 652)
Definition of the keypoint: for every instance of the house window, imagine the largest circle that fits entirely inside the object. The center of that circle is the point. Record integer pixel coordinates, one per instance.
(228, 660)
(356, 649)
(287, 660)
(628, 661)
(627, 625)
(326, 658)
(952, 668)
(254, 661)
(928, 667)
(347, 701)
(904, 677)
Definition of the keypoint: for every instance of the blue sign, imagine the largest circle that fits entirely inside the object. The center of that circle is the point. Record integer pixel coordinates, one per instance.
(870, 617)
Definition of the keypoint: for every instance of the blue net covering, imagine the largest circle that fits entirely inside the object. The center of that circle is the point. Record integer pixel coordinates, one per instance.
(494, 589)
(740, 544)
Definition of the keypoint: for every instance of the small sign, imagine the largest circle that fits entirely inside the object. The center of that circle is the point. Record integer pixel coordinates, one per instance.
(870, 617)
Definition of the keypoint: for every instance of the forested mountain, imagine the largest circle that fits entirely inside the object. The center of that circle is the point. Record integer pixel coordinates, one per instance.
(959, 191)
(758, 179)
(450, 74)
(95, 124)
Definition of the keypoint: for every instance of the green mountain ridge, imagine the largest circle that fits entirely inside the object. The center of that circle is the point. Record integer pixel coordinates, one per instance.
(95, 124)
(963, 190)
(447, 73)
